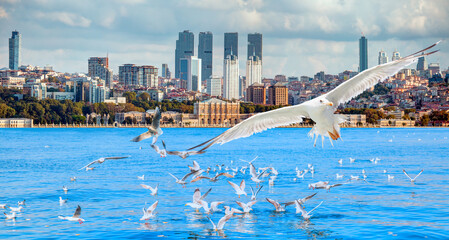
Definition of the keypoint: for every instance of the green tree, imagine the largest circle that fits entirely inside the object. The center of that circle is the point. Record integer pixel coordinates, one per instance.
(6, 111)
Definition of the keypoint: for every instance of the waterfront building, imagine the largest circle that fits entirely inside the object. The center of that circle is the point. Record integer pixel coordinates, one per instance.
(15, 43)
(156, 95)
(256, 93)
(214, 86)
(383, 58)
(278, 94)
(231, 44)
(205, 50)
(184, 48)
(253, 70)
(255, 45)
(131, 75)
(99, 67)
(231, 77)
(216, 111)
(363, 53)
(16, 123)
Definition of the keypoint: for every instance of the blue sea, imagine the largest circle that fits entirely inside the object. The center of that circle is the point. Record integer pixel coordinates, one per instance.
(36, 163)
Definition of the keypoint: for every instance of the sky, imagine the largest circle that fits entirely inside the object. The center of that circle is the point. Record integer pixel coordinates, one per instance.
(300, 38)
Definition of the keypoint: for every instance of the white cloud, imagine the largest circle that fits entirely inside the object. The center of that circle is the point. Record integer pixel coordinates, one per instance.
(108, 21)
(67, 18)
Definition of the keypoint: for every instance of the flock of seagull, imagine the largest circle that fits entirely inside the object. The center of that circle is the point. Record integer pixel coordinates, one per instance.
(213, 174)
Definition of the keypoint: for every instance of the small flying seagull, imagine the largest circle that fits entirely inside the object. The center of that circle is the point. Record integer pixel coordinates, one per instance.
(102, 160)
(153, 131)
(412, 179)
(75, 217)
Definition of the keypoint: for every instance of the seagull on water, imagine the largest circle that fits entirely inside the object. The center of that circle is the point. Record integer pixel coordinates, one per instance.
(198, 200)
(277, 205)
(153, 190)
(221, 222)
(75, 217)
(412, 179)
(16, 209)
(62, 201)
(141, 177)
(231, 211)
(21, 203)
(148, 213)
(153, 131)
(102, 160)
(300, 209)
(254, 176)
(65, 189)
(239, 190)
(10, 216)
(340, 176)
(320, 109)
(319, 184)
(246, 206)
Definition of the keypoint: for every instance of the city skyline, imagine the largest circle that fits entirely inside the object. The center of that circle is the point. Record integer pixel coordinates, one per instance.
(292, 45)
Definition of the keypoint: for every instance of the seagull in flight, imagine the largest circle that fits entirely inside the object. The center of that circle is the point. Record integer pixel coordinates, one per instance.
(254, 193)
(10, 216)
(412, 179)
(75, 217)
(277, 205)
(239, 190)
(153, 190)
(62, 201)
(153, 131)
(246, 206)
(163, 152)
(320, 109)
(300, 200)
(102, 160)
(212, 179)
(182, 181)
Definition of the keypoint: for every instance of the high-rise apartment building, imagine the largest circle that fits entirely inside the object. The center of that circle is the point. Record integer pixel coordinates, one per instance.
(231, 77)
(396, 55)
(191, 73)
(15, 43)
(278, 94)
(166, 71)
(184, 48)
(99, 67)
(256, 93)
(214, 86)
(422, 64)
(231, 44)
(363, 54)
(131, 75)
(383, 58)
(205, 43)
(253, 70)
(255, 45)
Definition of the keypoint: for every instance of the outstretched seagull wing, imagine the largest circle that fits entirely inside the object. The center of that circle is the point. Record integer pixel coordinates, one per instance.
(258, 123)
(116, 157)
(370, 77)
(77, 213)
(89, 164)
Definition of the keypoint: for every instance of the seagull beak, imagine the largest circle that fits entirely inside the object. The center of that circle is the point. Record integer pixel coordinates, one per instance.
(330, 104)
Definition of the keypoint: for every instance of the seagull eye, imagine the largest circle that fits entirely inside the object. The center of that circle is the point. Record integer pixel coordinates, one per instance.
(321, 101)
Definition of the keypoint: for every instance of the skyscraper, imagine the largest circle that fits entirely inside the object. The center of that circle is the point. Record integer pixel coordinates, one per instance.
(231, 77)
(422, 64)
(14, 50)
(184, 48)
(131, 75)
(191, 72)
(383, 58)
(165, 71)
(255, 45)
(99, 67)
(396, 55)
(205, 41)
(363, 54)
(231, 44)
(253, 70)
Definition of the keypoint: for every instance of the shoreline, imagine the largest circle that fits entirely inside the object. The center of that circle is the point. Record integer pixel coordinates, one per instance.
(208, 126)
